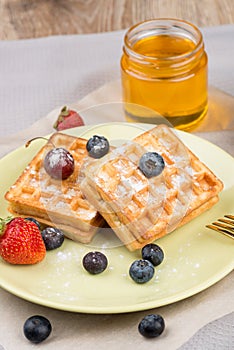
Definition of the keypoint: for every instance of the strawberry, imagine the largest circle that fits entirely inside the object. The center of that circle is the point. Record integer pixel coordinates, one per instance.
(68, 119)
(21, 242)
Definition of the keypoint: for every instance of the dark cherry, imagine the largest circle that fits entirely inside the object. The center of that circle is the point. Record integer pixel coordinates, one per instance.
(59, 163)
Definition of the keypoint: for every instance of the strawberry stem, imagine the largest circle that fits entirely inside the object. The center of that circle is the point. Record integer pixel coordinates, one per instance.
(63, 113)
(3, 223)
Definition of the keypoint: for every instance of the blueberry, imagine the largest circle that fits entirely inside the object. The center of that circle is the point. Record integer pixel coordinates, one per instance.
(97, 146)
(35, 222)
(95, 262)
(141, 271)
(37, 328)
(153, 253)
(151, 164)
(52, 237)
(151, 326)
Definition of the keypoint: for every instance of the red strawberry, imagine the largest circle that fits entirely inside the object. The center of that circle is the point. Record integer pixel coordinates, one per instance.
(21, 242)
(68, 119)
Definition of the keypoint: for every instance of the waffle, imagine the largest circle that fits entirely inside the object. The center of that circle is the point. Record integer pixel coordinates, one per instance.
(54, 202)
(141, 210)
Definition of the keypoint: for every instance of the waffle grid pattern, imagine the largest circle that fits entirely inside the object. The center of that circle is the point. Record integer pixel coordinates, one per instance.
(58, 202)
(139, 209)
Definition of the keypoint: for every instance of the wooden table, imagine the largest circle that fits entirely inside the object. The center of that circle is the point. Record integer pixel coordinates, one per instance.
(21, 19)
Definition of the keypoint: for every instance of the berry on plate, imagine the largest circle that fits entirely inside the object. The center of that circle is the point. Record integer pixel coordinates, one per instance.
(35, 222)
(95, 262)
(151, 326)
(52, 237)
(97, 146)
(21, 242)
(141, 271)
(37, 328)
(153, 253)
(67, 119)
(59, 163)
(151, 164)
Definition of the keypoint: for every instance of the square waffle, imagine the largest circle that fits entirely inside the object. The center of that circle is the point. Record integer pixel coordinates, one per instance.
(139, 209)
(57, 203)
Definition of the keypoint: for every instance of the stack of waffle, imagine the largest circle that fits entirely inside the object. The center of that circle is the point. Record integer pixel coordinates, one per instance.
(54, 202)
(138, 209)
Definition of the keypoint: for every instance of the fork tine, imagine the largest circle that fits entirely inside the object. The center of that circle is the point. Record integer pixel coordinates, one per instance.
(225, 226)
(229, 222)
(229, 217)
(221, 230)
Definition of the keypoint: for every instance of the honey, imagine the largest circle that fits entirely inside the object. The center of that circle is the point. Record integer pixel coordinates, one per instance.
(164, 68)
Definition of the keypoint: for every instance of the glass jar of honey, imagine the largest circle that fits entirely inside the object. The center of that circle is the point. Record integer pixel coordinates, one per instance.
(164, 68)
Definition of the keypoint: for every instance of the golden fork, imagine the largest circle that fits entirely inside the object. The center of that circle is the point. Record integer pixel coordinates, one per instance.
(224, 225)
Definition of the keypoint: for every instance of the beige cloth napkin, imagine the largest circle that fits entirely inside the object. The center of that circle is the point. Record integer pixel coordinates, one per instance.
(182, 319)
(220, 117)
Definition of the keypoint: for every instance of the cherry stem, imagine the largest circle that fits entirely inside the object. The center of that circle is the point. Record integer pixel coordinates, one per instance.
(36, 138)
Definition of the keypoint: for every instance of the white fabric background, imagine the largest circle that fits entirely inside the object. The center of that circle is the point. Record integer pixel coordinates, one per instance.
(38, 75)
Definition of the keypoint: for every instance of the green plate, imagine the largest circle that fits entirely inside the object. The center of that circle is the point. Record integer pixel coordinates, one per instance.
(195, 257)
